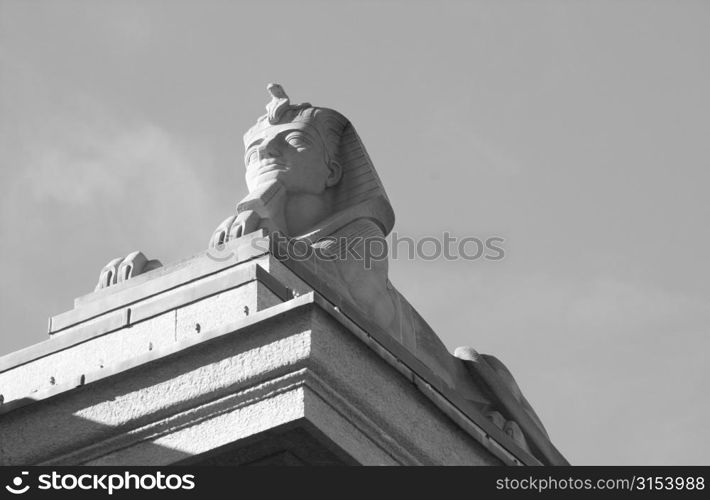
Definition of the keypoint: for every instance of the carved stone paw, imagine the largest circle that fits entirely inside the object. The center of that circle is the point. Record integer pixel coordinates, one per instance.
(234, 227)
(122, 269)
(497, 418)
(510, 427)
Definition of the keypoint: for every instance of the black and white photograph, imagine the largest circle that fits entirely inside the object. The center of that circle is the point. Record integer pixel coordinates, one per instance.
(416, 233)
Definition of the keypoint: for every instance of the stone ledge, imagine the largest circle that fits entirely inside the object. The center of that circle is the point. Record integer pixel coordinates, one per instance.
(112, 320)
(156, 282)
(345, 383)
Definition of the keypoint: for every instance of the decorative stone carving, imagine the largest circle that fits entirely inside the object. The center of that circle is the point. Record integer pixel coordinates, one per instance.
(310, 179)
(307, 171)
(122, 269)
(507, 397)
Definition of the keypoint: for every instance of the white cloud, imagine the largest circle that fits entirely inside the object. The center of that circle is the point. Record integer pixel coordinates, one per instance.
(78, 163)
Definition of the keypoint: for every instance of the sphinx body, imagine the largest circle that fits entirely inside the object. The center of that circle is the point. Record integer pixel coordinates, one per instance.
(311, 181)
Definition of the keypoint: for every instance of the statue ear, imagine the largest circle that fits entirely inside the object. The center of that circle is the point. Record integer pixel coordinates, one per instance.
(335, 172)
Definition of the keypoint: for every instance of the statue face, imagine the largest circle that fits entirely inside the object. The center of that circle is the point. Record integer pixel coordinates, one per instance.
(291, 153)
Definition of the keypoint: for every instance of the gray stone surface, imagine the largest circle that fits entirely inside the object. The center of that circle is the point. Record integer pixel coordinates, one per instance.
(147, 325)
(289, 445)
(159, 392)
(295, 365)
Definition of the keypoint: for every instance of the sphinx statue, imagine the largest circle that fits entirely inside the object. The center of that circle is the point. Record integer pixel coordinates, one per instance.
(311, 180)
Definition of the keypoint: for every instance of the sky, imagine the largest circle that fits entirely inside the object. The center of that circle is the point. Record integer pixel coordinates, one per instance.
(576, 131)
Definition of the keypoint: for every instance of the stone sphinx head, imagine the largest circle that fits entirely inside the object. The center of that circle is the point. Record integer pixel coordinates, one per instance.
(313, 158)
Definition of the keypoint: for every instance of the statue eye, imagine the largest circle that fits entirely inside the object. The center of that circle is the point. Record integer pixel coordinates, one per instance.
(297, 141)
(251, 156)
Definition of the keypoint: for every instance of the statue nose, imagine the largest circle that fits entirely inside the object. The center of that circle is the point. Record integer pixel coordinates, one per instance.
(268, 149)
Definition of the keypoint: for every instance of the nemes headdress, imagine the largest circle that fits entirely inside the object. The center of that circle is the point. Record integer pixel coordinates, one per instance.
(360, 187)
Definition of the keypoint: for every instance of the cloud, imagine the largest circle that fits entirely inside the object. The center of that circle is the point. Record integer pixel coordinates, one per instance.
(132, 175)
(87, 180)
(78, 163)
(84, 184)
(75, 149)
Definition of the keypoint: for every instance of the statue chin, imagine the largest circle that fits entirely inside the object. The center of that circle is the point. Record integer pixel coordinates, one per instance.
(266, 178)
